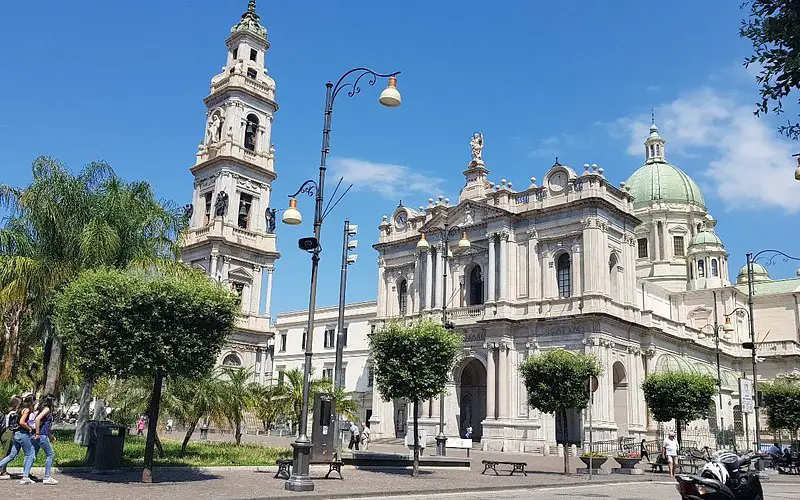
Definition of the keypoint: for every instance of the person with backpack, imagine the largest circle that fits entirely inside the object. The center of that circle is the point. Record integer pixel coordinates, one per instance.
(9, 423)
(23, 440)
(43, 435)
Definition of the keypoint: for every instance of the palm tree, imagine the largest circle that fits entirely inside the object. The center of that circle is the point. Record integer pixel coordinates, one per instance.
(190, 400)
(61, 224)
(239, 396)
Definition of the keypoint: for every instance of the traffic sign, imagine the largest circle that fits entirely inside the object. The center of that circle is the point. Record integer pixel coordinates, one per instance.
(591, 384)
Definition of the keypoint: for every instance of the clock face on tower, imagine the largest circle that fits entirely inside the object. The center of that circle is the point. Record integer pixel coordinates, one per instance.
(400, 220)
(557, 180)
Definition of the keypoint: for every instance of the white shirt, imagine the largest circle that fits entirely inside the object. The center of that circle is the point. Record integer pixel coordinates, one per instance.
(354, 429)
(365, 432)
(671, 445)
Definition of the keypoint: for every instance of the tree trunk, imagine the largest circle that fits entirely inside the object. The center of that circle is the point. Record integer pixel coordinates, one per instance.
(415, 466)
(237, 433)
(188, 436)
(9, 348)
(152, 428)
(159, 446)
(678, 432)
(81, 427)
(566, 443)
(53, 367)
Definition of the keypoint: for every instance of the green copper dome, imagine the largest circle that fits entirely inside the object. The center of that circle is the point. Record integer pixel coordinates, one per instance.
(706, 238)
(759, 274)
(661, 181)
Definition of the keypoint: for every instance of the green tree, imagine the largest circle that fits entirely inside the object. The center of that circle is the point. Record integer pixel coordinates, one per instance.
(680, 396)
(555, 381)
(58, 226)
(145, 324)
(286, 399)
(772, 28)
(782, 404)
(413, 361)
(192, 399)
(239, 396)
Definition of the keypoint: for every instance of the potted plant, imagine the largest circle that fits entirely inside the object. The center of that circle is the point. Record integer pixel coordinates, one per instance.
(594, 459)
(627, 460)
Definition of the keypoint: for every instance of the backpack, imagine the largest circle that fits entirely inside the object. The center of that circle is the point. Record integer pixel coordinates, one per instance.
(11, 421)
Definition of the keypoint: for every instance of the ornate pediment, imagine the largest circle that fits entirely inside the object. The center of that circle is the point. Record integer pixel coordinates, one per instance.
(466, 214)
(240, 274)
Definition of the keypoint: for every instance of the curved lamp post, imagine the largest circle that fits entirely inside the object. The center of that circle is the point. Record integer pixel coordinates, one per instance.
(390, 97)
(444, 233)
(726, 335)
(751, 260)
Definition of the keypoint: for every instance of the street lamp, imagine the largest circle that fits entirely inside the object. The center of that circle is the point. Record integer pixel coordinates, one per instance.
(390, 97)
(444, 233)
(751, 260)
(717, 327)
(338, 374)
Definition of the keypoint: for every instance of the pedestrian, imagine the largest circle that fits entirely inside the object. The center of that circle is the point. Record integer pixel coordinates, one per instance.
(43, 435)
(468, 434)
(23, 440)
(9, 422)
(365, 437)
(169, 425)
(140, 427)
(670, 452)
(643, 451)
(354, 435)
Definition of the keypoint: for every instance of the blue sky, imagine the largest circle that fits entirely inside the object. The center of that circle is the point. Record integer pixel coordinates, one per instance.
(124, 82)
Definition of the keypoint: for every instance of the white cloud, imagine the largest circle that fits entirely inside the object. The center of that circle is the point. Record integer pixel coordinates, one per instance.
(653, 88)
(551, 146)
(748, 164)
(388, 180)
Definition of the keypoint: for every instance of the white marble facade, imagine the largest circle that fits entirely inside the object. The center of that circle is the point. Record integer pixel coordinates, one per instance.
(560, 266)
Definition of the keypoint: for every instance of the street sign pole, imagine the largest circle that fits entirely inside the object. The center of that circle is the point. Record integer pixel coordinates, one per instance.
(590, 386)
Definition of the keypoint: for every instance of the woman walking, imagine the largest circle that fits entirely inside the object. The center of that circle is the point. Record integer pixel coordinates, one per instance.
(10, 425)
(43, 436)
(22, 439)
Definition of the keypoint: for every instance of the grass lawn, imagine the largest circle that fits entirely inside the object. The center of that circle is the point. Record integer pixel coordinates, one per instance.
(203, 454)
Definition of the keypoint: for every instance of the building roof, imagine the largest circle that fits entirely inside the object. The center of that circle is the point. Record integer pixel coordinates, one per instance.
(775, 287)
(706, 238)
(250, 23)
(662, 181)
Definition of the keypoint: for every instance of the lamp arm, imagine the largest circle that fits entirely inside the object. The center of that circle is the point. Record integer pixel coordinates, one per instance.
(775, 254)
(308, 187)
(354, 88)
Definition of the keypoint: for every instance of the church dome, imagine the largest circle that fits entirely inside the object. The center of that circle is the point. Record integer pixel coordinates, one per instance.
(759, 274)
(661, 181)
(706, 238)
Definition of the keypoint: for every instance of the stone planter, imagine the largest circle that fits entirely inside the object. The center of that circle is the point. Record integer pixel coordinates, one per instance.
(627, 463)
(594, 462)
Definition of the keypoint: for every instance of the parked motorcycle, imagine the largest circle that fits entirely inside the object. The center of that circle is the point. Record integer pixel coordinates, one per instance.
(726, 476)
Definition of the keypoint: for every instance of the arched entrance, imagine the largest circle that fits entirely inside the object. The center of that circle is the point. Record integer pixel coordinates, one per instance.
(471, 392)
(620, 399)
(475, 286)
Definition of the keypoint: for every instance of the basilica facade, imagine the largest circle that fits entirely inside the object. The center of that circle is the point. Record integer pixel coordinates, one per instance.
(635, 275)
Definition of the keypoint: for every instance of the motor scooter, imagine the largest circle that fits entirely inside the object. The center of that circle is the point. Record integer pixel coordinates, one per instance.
(726, 476)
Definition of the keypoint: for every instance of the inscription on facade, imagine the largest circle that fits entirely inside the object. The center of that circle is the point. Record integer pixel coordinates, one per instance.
(474, 336)
(562, 330)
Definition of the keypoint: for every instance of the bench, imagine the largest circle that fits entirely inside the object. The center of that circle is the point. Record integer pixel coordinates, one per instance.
(285, 467)
(492, 464)
(459, 444)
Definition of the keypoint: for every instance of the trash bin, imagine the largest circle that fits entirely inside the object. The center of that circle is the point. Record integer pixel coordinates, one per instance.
(106, 444)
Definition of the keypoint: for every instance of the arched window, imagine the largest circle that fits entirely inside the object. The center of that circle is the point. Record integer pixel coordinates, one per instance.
(613, 276)
(658, 150)
(475, 286)
(402, 297)
(563, 276)
(232, 360)
(250, 130)
(652, 151)
(691, 271)
(714, 268)
(701, 268)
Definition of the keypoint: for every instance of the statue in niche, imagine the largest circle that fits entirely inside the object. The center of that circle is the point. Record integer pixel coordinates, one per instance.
(188, 210)
(221, 206)
(214, 130)
(469, 217)
(476, 145)
(271, 215)
(271, 157)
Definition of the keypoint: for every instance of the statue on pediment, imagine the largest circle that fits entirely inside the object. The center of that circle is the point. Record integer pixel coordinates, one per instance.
(221, 206)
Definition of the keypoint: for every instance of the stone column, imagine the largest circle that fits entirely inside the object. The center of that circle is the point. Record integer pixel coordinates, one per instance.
(255, 290)
(429, 279)
(503, 266)
(226, 267)
(437, 300)
(504, 388)
(534, 271)
(212, 268)
(491, 382)
(381, 290)
(268, 304)
(417, 305)
(492, 271)
(593, 257)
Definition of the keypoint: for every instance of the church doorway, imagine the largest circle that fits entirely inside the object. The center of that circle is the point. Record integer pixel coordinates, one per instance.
(620, 399)
(472, 399)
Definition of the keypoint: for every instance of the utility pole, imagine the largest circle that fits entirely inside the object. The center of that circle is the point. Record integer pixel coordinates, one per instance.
(338, 375)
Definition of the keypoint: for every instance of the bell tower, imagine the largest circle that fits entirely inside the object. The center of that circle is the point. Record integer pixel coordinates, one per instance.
(231, 233)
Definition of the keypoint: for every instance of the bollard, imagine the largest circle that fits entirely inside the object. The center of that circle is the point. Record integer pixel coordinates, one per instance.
(546, 450)
(560, 450)
(573, 450)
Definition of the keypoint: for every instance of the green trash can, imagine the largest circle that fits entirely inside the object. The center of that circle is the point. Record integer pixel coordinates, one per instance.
(106, 445)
